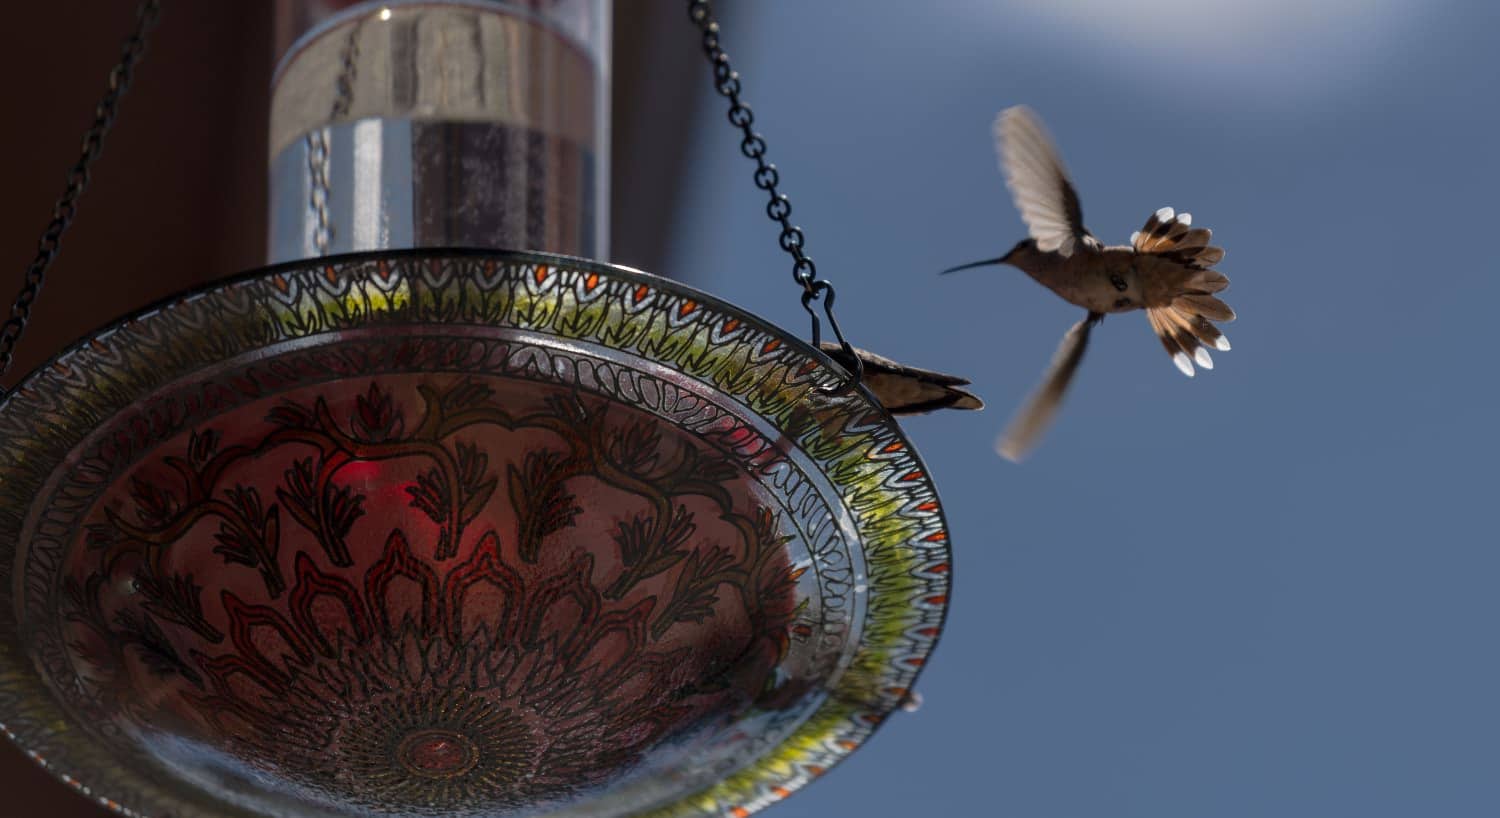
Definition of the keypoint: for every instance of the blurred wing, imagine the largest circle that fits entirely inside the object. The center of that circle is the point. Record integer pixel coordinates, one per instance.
(1040, 409)
(1039, 183)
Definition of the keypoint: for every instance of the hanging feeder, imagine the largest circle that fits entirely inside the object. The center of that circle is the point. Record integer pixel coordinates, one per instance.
(455, 532)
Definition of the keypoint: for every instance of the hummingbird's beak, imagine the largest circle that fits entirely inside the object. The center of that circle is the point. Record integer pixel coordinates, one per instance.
(971, 265)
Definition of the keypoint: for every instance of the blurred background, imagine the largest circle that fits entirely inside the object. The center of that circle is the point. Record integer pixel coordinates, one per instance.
(1266, 590)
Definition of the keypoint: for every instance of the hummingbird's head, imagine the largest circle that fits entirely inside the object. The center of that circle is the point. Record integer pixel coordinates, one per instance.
(1023, 248)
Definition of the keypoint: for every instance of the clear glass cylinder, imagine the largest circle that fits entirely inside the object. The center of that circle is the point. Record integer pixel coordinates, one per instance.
(412, 123)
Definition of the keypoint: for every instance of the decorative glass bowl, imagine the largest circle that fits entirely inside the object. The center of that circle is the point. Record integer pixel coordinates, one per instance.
(451, 532)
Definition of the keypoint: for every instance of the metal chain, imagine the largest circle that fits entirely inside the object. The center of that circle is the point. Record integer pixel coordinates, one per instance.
(319, 142)
(66, 208)
(767, 178)
(318, 190)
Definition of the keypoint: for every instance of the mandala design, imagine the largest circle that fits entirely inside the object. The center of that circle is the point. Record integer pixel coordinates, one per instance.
(450, 747)
(454, 534)
(430, 595)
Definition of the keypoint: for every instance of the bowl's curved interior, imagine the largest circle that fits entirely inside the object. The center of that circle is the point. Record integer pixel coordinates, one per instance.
(454, 533)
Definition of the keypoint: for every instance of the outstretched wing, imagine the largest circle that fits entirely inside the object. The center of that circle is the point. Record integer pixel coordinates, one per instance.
(1039, 183)
(1041, 408)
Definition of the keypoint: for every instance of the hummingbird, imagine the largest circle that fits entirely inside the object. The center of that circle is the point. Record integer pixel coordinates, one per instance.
(901, 389)
(1166, 270)
(906, 390)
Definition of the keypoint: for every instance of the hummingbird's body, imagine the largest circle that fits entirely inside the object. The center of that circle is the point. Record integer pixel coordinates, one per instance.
(903, 389)
(1166, 270)
(1106, 280)
(1091, 280)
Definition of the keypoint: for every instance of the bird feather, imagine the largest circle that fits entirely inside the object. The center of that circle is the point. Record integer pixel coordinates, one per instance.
(1041, 408)
(1039, 183)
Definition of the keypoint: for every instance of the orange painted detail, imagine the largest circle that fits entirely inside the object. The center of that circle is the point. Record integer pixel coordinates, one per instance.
(640, 293)
(916, 661)
(591, 282)
(848, 745)
(731, 325)
(280, 282)
(936, 599)
(798, 572)
(930, 633)
(815, 770)
(331, 275)
(915, 474)
(686, 309)
(940, 568)
(893, 447)
(936, 536)
(739, 812)
(780, 792)
(770, 346)
(930, 505)
(541, 273)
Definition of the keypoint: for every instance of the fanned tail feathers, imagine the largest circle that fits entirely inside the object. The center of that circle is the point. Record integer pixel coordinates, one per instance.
(1172, 236)
(1185, 326)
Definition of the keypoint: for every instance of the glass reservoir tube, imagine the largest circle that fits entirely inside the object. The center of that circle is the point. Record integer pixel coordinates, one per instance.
(477, 123)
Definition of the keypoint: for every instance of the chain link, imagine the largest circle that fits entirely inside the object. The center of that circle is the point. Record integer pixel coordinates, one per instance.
(320, 143)
(767, 178)
(78, 178)
(753, 145)
(318, 190)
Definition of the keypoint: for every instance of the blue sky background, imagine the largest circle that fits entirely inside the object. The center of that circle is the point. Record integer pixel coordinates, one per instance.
(1268, 590)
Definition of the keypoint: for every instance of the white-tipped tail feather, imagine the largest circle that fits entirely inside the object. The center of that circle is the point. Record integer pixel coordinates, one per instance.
(1185, 325)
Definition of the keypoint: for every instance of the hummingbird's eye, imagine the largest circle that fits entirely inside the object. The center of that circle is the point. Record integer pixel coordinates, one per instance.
(1124, 302)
